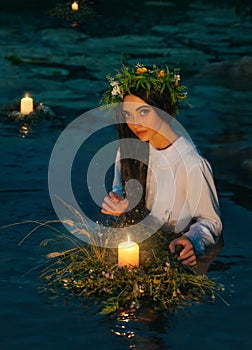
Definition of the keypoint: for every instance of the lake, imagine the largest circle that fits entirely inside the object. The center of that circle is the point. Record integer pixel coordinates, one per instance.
(63, 64)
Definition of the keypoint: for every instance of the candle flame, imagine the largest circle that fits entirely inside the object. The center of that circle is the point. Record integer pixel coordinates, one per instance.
(75, 6)
(129, 241)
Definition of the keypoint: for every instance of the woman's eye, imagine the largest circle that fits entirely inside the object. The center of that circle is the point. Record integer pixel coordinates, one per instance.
(126, 115)
(144, 111)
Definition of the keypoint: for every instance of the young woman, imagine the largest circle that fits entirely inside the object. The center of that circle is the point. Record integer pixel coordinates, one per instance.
(176, 182)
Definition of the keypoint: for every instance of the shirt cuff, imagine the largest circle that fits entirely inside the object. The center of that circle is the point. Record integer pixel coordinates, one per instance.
(200, 237)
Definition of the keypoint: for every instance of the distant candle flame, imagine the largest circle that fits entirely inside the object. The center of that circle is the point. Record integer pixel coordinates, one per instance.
(75, 6)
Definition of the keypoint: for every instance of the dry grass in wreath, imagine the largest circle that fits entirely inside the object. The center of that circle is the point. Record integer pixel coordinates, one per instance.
(91, 270)
(160, 281)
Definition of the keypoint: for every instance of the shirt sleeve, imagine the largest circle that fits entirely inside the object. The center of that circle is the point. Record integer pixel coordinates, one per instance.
(117, 182)
(204, 208)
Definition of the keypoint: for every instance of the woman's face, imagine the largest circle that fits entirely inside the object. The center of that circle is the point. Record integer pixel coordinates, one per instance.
(141, 118)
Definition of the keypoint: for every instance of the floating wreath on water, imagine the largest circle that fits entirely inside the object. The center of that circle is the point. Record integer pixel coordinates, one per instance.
(160, 281)
(12, 115)
(65, 11)
(40, 112)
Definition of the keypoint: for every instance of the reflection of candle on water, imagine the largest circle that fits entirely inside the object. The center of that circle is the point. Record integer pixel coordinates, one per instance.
(75, 6)
(26, 105)
(128, 253)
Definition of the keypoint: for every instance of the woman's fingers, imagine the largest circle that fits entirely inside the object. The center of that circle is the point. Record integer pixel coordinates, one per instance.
(108, 206)
(191, 261)
(108, 202)
(109, 211)
(114, 204)
(187, 255)
(114, 196)
(111, 204)
(103, 211)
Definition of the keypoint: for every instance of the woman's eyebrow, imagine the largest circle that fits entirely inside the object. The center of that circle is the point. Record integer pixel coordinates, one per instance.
(142, 106)
(148, 106)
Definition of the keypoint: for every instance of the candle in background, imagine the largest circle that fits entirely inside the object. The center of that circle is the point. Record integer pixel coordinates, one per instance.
(75, 6)
(26, 105)
(128, 253)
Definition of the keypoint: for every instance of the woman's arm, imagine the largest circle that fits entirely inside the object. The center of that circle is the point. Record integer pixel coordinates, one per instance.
(117, 182)
(203, 205)
(114, 204)
(204, 208)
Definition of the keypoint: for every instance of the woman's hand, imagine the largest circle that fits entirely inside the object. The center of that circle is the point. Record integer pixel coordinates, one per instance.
(114, 204)
(187, 255)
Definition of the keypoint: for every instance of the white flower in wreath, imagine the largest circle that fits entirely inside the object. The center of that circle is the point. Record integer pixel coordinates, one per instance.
(116, 89)
(177, 79)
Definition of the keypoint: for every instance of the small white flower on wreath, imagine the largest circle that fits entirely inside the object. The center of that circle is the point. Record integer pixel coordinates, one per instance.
(177, 79)
(116, 88)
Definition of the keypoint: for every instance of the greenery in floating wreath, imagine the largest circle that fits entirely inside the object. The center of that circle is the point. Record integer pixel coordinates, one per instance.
(138, 77)
(161, 281)
(64, 11)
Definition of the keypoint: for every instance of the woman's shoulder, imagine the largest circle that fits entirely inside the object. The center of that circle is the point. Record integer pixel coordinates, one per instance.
(190, 155)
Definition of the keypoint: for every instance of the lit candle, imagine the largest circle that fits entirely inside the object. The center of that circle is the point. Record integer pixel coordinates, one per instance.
(26, 105)
(128, 253)
(75, 6)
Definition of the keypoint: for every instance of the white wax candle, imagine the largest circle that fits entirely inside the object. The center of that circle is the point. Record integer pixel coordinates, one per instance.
(75, 6)
(26, 105)
(128, 253)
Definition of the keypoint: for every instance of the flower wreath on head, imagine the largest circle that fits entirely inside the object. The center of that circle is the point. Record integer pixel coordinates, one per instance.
(141, 77)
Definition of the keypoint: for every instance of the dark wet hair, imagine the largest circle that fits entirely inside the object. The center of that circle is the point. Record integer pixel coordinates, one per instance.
(160, 101)
(131, 167)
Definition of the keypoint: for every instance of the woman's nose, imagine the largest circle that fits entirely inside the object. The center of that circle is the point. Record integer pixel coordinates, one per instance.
(136, 119)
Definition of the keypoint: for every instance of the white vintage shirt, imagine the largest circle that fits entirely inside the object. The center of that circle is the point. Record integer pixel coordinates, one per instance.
(180, 189)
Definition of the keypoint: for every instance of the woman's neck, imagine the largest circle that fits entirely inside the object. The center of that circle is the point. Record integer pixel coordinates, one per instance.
(164, 137)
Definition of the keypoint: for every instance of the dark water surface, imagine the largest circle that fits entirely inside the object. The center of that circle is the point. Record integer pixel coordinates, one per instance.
(209, 41)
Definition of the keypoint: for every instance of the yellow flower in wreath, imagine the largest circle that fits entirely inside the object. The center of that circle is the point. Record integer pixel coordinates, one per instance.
(161, 74)
(141, 70)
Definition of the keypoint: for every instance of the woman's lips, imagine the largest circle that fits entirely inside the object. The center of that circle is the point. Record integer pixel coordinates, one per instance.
(141, 133)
